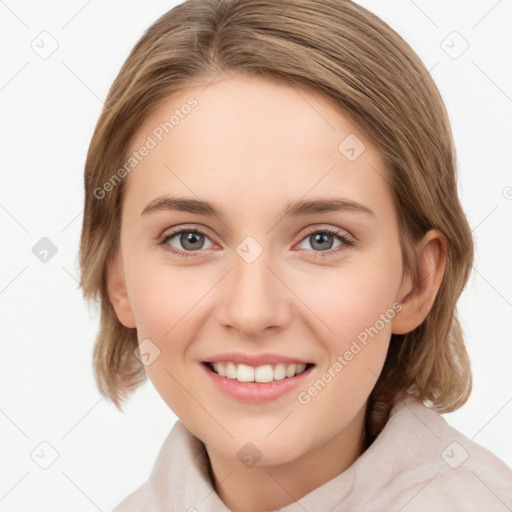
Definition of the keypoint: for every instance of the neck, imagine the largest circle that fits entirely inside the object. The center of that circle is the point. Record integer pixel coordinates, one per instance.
(261, 488)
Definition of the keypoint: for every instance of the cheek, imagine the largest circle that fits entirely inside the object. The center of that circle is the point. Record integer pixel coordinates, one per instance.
(360, 315)
(163, 303)
(350, 300)
(160, 297)
(166, 303)
(356, 306)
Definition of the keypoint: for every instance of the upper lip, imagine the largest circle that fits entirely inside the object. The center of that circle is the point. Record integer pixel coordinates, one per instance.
(255, 359)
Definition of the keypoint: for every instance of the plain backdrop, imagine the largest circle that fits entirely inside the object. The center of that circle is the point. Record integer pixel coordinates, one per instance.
(50, 104)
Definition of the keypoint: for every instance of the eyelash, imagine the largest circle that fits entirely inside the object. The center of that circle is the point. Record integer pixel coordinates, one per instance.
(347, 242)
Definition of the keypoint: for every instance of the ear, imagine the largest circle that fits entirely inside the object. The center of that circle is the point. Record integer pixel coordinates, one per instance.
(116, 288)
(417, 298)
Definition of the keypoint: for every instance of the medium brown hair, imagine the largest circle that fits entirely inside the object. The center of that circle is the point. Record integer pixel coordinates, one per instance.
(340, 50)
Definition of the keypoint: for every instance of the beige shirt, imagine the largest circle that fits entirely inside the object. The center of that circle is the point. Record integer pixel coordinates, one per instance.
(417, 463)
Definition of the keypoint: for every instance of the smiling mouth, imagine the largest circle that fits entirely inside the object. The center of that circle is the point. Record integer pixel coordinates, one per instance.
(259, 374)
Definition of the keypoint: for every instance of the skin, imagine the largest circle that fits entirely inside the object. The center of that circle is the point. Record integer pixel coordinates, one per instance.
(251, 146)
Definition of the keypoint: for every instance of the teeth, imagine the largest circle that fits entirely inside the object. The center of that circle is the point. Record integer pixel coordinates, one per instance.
(290, 371)
(230, 370)
(219, 369)
(245, 373)
(265, 373)
(279, 371)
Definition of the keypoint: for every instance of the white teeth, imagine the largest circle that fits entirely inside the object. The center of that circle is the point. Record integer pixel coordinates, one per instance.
(220, 369)
(245, 373)
(265, 373)
(230, 370)
(290, 370)
(279, 371)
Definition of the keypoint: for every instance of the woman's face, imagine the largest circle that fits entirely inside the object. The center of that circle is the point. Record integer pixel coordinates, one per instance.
(263, 283)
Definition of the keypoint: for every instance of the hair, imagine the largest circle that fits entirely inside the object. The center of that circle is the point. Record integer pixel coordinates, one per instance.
(343, 52)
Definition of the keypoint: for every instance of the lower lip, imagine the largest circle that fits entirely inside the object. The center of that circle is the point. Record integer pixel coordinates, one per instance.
(255, 392)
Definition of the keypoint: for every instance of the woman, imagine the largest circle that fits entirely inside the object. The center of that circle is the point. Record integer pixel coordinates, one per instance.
(273, 229)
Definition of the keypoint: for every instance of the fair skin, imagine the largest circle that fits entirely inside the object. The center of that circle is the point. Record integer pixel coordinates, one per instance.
(251, 146)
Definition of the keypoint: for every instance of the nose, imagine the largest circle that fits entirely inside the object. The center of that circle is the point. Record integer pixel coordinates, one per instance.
(254, 298)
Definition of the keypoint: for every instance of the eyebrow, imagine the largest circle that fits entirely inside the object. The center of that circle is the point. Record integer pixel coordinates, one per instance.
(293, 209)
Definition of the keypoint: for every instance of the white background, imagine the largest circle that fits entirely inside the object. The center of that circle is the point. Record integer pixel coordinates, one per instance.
(49, 110)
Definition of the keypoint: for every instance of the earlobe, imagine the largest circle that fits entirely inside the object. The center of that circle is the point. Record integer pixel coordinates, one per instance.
(116, 288)
(420, 296)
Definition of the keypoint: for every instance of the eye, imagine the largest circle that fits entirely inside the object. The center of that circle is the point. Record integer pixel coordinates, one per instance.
(322, 240)
(190, 240)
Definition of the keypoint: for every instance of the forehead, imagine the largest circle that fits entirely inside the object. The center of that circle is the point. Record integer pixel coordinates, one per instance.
(247, 138)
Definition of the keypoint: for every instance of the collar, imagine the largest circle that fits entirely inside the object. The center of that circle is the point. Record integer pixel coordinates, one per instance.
(181, 478)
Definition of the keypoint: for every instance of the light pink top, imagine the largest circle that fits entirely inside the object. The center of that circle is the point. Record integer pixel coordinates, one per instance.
(417, 463)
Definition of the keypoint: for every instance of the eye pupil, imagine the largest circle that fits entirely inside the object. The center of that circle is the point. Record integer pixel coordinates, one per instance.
(321, 239)
(189, 240)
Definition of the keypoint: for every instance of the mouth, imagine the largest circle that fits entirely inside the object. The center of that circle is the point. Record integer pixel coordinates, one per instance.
(257, 374)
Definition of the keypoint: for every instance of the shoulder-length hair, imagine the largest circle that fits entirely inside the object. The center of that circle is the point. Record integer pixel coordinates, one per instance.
(347, 54)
